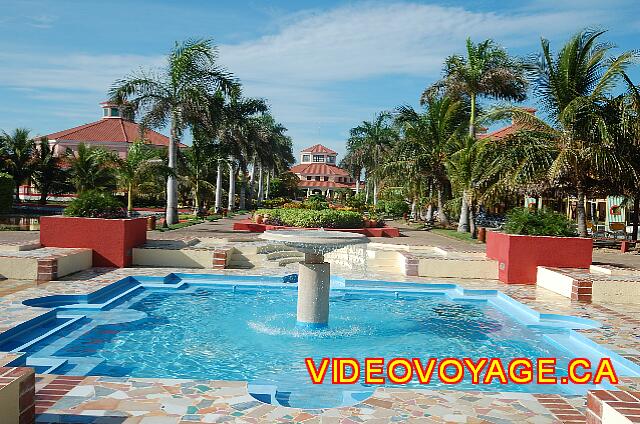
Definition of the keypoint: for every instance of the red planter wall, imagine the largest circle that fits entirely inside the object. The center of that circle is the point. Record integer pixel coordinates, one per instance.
(112, 240)
(519, 256)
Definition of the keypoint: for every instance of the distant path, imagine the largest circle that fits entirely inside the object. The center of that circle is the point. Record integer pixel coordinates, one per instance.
(221, 228)
(414, 237)
(18, 237)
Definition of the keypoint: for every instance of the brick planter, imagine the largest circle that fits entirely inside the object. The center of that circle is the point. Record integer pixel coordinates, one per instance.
(111, 240)
(519, 256)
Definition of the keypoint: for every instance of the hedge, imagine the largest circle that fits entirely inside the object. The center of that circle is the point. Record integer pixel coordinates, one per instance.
(309, 218)
(7, 191)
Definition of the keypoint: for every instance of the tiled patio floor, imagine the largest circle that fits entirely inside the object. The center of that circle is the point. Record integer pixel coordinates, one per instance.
(133, 400)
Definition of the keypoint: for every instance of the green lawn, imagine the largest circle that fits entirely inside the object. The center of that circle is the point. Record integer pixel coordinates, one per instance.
(454, 234)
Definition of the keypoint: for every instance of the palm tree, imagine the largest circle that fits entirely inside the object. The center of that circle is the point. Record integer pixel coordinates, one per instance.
(237, 135)
(427, 143)
(18, 149)
(189, 79)
(370, 140)
(486, 71)
(132, 171)
(274, 151)
(573, 88)
(353, 163)
(48, 175)
(91, 168)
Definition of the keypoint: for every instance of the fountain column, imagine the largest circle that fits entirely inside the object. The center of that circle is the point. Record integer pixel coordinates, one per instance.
(313, 291)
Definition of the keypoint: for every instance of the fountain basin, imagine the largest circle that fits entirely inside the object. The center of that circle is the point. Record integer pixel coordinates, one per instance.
(314, 241)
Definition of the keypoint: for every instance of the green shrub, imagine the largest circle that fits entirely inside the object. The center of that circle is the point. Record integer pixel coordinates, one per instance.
(310, 218)
(356, 202)
(278, 202)
(396, 207)
(7, 191)
(539, 223)
(316, 202)
(95, 204)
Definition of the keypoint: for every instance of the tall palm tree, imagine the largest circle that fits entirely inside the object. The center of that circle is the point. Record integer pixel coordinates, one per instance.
(17, 151)
(427, 143)
(486, 71)
(573, 89)
(370, 140)
(237, 135)
(132, 171)
(48, 175)
(353, 163)
(185, 85)
(91, 168)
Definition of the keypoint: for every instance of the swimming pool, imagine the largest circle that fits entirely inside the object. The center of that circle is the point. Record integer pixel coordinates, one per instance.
(215, 327)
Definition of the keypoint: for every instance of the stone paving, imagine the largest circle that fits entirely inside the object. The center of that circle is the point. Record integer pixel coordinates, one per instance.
(133, 400)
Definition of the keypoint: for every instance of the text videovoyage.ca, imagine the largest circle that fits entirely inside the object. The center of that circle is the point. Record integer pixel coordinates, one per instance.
(455, 370)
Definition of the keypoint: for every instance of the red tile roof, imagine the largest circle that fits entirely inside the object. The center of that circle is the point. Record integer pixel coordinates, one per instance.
(319, 148)
(318, 169)
(114, 130)
(324, 184)
(508, 130)
(501, 133)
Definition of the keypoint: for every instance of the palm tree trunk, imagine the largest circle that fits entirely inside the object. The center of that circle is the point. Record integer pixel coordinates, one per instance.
(414, 208)
(442, 216)
(580, 213)
(375, 192)
(243, 193)
(218, 203)
(43, 196)
(366, 188)
(463, 223)
(196, 197)
(472, 222)
(252, 177)
(232, 187)
(172, 184)
(129, 198)
(260, 185)
(17, 191)
(429, 216)
(266, 190)
(635, 219)
(472, 116)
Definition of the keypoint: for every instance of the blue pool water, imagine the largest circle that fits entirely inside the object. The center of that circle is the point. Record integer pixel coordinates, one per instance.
(231, 329)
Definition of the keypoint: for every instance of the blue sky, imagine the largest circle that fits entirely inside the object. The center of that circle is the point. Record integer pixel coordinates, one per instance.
(324, 66)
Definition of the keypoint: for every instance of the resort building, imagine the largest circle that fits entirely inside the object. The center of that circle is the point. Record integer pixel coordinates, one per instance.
(112, 132)
(319, 173)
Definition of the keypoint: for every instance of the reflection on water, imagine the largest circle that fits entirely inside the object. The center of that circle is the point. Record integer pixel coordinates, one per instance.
(19, 223)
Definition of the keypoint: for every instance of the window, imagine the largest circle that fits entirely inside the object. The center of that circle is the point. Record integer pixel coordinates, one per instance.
(318, 158)
(331, 159)
(308, 177)
(339, 179)
(326, 178)
(306, 158)
(105, 112)
(317, 178)
(115, 111)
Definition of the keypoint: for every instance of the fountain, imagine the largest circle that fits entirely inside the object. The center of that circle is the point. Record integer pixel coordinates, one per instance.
(314, 273)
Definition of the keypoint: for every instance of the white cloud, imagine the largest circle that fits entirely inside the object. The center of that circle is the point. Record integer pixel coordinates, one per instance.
(297, 66)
